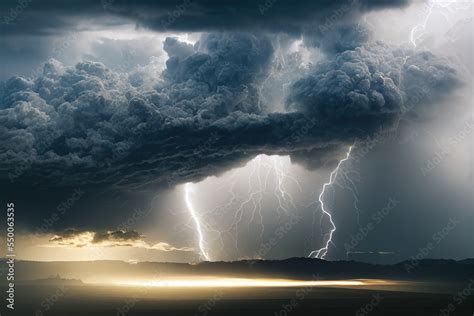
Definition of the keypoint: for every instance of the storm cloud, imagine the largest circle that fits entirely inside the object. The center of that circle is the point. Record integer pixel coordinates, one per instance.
(124, 55)
(371, 83)
(118, 238)
(108, 107)
(52, 16)
(89, 125)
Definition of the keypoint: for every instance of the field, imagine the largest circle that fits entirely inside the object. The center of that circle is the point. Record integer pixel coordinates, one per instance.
(398, 299)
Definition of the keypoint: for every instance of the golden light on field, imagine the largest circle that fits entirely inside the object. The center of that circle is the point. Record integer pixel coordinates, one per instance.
(244, 282)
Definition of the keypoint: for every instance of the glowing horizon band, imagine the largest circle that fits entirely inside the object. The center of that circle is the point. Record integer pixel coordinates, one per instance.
(244, 282)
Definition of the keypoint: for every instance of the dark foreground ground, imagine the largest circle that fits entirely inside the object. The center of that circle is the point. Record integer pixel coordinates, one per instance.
(105, 300)
(426, 287)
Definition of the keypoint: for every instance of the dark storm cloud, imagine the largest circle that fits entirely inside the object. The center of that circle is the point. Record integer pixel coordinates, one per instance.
(65, 234)
(177, 49)
(30, 28)
(51, 16)
(339, 36)
(371, 83)
(91, 126)
(117, 238)
(287, 16)
(124, 55)
(117, 235)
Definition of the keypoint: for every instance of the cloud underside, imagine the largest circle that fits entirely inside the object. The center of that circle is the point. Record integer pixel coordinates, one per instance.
(52, 17)
(120, 238)
(89, 125)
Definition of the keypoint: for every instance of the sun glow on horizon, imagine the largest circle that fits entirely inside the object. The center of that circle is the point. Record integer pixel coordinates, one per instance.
(245, 282)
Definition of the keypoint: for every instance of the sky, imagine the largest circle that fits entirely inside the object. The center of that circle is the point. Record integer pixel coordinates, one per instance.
(207, 130)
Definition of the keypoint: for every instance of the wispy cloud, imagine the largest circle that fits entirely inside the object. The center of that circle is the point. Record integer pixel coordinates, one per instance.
(117, 238)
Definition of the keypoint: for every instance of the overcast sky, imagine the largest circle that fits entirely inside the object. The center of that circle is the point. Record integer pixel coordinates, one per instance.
(190, 130)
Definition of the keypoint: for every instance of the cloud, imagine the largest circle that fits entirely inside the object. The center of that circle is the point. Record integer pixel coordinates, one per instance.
(372, 85)
(50, 16)
(33, 31)
(340, 36)
(89, 125)
(178, 49)
(118, 238)
(124, 55)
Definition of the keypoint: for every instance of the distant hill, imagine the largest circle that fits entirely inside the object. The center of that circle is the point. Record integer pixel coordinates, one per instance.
(295, 268)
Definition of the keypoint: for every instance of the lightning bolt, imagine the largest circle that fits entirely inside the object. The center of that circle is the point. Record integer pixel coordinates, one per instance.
(264, 168)
(285, 199)
(418, 30)
(321, 253)
(188, 190)
(265, 176)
